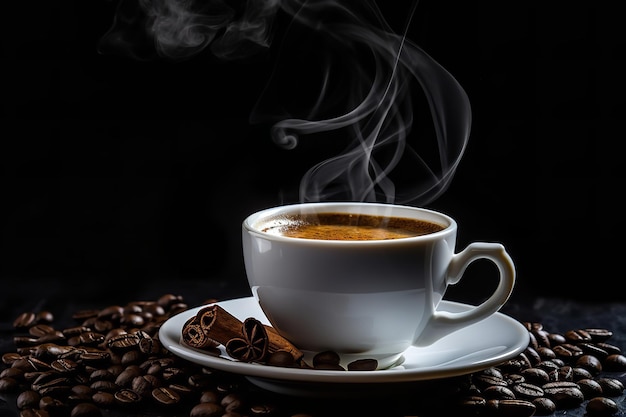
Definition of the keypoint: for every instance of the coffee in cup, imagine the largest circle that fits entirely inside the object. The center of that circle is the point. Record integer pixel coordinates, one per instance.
(347, 226)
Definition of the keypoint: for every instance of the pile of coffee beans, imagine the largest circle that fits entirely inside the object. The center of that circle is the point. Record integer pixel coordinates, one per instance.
(111, 361)
(555, 372)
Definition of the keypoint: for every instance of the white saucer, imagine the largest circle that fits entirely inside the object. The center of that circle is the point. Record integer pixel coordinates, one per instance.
(479, 346)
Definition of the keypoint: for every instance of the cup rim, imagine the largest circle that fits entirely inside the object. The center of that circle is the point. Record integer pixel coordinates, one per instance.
(445, 220)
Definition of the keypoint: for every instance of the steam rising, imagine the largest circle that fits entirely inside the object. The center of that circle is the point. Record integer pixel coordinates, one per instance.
(365, 79)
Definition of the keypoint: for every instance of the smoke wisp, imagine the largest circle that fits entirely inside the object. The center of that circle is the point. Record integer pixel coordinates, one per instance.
(359, 84)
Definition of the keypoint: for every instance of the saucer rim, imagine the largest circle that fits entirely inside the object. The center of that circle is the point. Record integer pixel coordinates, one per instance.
(170, 330)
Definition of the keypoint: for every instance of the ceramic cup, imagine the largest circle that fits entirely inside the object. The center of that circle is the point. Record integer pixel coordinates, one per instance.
(364, 299)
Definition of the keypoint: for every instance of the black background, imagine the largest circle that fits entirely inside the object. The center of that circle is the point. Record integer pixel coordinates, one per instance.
(124, 178)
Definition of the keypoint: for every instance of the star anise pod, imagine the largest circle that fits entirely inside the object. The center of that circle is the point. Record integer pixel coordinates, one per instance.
(253, 346)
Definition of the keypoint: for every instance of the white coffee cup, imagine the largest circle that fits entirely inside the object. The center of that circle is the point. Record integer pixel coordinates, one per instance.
(364, 299)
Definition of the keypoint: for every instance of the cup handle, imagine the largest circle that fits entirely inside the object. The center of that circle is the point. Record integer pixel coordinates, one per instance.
(443, 323)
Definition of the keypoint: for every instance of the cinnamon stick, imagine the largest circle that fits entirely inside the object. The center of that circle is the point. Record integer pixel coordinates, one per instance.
(195, 336)
(213, 325)
(277, 342)
(218, 324)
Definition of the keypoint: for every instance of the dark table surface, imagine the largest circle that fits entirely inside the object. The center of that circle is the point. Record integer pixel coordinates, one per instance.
(557, 315)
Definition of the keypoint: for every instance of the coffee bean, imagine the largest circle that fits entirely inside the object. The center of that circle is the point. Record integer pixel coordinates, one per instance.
(263, 410)
(512, 379)
(548, 366)
(122, 342)
(125, 378)
(64, 366)
(91, 338)
(532, 326)
(37, 379)
(52, 351)
(52, 337)
(28, 399)
(232, 402)
(590, 387)
(173, 374)
(544, 406)
(44, 317)
(82, 389)
(565, 373)
(206, 410)
(564, 394)
(326, 358)
(556, 339)
(101, 375)
(23, 364)
(149, 346)
(165, 396)
(103, 399)
(593, 349)
(104, 385)
(533, 341)
(512, 408)
(493, 371)
(363, 365)
(611, 387)
(281, 358)
(542, 337)
(601, 406)
(200, 381)
(183, 391)
(94, 358)
(483, 380)
(546, 353)
(81, 378)
(581, 373)
(609, 348)
(38, 365)
(145, 384)
(567, 351)
(126, 397)
(527, 391)
(85, 410)
(614, 363)
(56, 391)
(498, 392)
(53, 406)
(34, 412)
(15, 373)
(472, 405)
(24, 320)
(112, 312)
(532, 355)
(46, 386)
(535, 376)
(23, 341)
(131, 357)
(167, 300)
(590, 363)
(516, 364)
(329, 366)
(10, 357)
(39, 330)
(599, 335)
(74, 331)
(577, 336)
(210, 397)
